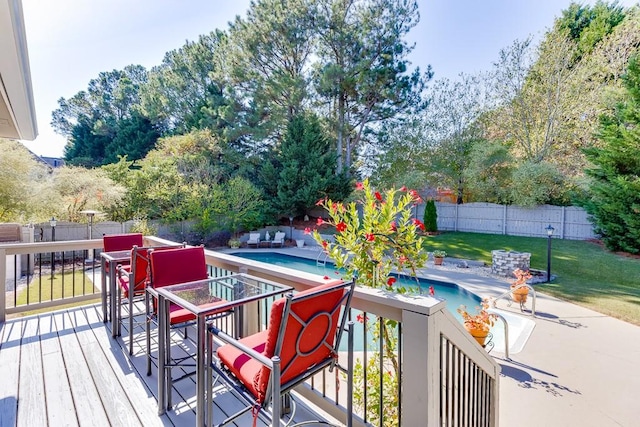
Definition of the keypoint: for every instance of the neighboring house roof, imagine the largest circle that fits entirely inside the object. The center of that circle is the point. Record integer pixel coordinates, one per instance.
(54, 162)
(17, 110)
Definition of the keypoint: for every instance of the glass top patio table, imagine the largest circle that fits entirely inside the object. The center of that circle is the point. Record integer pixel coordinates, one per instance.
(204, 298)
(111, 259)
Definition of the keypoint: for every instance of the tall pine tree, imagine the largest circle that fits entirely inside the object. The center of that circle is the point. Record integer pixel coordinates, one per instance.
(614, 194)
(303, 167)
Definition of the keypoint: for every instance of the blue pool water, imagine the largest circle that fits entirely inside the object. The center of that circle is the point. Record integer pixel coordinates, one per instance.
(520, 328)
(452, 293)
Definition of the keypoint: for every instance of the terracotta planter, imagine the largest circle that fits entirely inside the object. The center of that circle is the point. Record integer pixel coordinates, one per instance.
(438, 260)
(479, 334)
(520, 294)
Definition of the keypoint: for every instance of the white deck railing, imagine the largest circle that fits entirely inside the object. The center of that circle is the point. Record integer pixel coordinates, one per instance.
(447, 378)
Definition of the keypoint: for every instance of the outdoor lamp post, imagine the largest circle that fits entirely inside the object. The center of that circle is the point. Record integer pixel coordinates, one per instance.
(53, 223)
(291, 227)
(90, 214)
(549, 229)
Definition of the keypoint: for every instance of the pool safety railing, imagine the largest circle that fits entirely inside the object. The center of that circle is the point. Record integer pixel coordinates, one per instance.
(507, 295)
(446, 377)
(321, 259)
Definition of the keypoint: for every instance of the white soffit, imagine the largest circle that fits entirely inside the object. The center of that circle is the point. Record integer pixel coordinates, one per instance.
(17, 112)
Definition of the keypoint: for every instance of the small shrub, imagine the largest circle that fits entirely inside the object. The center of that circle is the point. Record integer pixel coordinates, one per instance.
(141, 225)
(430, 217)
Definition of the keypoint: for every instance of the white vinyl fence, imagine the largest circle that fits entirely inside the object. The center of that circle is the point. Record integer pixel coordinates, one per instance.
(569, 222)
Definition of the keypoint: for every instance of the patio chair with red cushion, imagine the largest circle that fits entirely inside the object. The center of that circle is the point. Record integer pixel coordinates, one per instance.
(132, 284)
(115, 243)
(171, 267)
(121, 242)
(302, 339)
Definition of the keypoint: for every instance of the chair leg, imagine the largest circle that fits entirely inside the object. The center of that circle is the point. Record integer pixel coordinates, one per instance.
(148, 333)
(350, 374)
(130, 323)
(119, 319)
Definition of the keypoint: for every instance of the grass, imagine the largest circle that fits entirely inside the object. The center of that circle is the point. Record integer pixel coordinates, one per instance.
(587, 274)
(62, 284)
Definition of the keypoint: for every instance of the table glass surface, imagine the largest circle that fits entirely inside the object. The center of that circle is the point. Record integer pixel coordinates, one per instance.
(117, 255)
(198, 297)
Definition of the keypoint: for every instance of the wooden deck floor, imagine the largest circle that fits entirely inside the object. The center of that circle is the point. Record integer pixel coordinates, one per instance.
(64, 369)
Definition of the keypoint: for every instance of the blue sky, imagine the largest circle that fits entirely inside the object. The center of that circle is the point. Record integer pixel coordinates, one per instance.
(71, 41)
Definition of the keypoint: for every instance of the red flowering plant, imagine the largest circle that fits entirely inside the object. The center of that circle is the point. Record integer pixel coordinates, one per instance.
(375, 235)
(383, 237)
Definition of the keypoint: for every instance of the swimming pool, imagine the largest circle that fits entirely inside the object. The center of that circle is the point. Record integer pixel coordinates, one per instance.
(519, 327)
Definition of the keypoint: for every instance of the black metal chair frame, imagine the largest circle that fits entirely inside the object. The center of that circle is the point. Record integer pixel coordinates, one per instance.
(275, 388)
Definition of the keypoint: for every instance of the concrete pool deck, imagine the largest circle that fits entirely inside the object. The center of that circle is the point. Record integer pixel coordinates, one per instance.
(578, 367)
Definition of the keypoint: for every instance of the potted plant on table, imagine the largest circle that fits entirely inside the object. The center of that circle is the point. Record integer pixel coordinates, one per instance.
(480, 323)
(438, 257)
(519, 289)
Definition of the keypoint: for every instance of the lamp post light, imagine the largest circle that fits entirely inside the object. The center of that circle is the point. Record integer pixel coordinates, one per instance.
(291, 227)
(90, 214)
(53, 222)
(549, 229)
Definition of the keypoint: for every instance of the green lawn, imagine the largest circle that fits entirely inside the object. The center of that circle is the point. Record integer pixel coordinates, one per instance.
(587, 274)
(55, 288)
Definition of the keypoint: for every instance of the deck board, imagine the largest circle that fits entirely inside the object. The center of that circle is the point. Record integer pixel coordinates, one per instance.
(60, 405)
(10, 335)
(32, 400)
(63, 368)
(138, 392)
(116, 404)
(86, 397)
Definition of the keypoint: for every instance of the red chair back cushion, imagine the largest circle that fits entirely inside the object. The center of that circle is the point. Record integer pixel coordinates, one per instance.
(303, 345)
(121, 242)
(181, 265)
(140, 266)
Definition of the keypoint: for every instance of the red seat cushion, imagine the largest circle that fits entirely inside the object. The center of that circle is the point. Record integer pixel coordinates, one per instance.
(245, 368)
(311, 340)
(178, 314)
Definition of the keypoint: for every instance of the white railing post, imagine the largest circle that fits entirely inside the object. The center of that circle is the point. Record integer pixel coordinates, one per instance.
(3, 284)
(420, 370)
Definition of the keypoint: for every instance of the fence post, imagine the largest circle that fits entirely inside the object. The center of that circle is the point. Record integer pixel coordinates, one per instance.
(3, 284)
(455, 223)
(504, 220)
(420, 370)
(562, 221)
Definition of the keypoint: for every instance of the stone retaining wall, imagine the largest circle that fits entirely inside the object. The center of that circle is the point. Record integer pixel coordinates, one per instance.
(503, 262)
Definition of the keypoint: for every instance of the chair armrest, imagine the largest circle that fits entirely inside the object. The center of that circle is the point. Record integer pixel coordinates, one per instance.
(247, 350)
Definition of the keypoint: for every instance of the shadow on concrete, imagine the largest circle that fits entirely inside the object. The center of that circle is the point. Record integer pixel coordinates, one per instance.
(526, 380)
